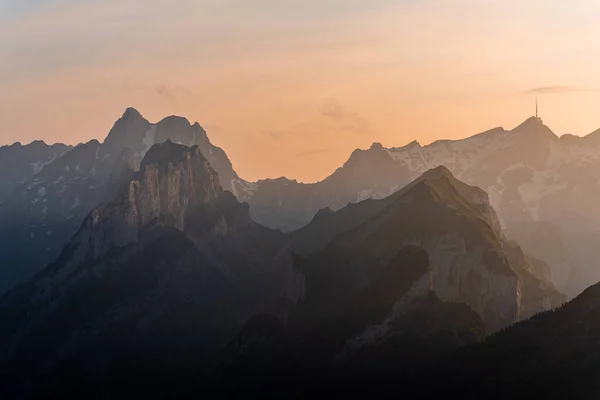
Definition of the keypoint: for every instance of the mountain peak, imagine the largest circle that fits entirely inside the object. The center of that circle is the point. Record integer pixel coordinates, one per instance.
(438, 172)
(130, 113)
(532, 121)
(167, 152)
(412, 144)
(376, 146)
(175, 121)
(535, 125)
(128, 131)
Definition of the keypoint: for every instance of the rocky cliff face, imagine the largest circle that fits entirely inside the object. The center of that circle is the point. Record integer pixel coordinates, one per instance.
(471, 261)
(42, 214)
(172, 179)
(551, 355)
(133, 131)
(351, 319)
(172, 266)
(173, 270)
(530, 174)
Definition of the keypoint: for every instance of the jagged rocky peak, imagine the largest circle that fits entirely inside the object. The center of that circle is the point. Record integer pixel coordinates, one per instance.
(413, 144)
(129, 131)
(372, 155)
(438, 172)
(167, 152)
(473, 194)
(172, 180)
(134, 131)
(175, 122)
(131, 113)
(174, 166)
(455, 224)
(180, 130)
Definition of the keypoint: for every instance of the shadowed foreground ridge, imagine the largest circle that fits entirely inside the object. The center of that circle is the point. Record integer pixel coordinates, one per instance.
(171, 289)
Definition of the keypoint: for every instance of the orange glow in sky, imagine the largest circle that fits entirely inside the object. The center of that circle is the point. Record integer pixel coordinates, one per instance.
(291, 87)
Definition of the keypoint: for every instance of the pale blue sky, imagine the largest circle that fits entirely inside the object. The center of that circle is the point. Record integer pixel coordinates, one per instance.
(258, 72)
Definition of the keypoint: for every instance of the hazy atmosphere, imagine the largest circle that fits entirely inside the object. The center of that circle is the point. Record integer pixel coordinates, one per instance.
(288, 199)
(291, 87)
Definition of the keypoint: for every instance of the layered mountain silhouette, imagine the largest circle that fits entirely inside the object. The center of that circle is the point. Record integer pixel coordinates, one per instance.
(531, 175)
(170, 287)
(471, 260)
(534, 179)
(40, 215)
(164, 273)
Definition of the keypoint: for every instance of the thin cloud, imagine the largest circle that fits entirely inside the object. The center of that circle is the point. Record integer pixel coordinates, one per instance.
(313, 152)
(349, 120)
(334, 110)
(274, 134)
(554, 89)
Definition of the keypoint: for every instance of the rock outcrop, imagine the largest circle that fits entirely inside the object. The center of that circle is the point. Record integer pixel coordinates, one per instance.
(172, 266)
(41, 214)
(471, 260)
(530, 174)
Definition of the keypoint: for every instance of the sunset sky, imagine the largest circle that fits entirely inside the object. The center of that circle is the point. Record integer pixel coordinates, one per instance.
(291, 87)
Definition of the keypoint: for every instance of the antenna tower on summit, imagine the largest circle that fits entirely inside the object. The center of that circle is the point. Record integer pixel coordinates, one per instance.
(537, 116)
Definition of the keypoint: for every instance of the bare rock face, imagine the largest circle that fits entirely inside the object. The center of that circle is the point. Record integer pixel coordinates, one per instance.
(172, 178)
(531, 175)
(477, 276)
(133, 131)
(172, 266)
(56, 187)
(471, 261)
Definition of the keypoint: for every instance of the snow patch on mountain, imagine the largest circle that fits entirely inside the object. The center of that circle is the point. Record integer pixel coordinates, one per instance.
(364, 195)
(37, 166)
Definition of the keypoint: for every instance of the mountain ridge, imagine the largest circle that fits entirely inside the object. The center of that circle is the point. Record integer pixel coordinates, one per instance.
(45, 210)
(530, 174)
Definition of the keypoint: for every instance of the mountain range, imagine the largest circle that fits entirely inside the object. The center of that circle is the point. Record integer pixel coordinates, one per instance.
(539, 184)
(39, 216)
(533, 177)
(146, 265)
(173, 269)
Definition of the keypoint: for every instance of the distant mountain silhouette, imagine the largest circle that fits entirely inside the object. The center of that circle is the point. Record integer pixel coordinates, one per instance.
(170, 287)
(531, 175)
(161, 275)
(41, 214)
